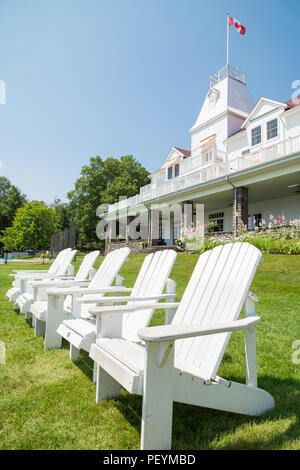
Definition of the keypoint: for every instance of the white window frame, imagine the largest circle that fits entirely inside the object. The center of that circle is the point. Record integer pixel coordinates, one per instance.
(275, 136)
(253, 129)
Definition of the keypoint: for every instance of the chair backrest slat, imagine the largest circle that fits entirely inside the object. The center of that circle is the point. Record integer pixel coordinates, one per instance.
(86, 265)
(82, 274)
(106, 274)
(66, 261)
(215, 294)
(57, 262)
(151, 280)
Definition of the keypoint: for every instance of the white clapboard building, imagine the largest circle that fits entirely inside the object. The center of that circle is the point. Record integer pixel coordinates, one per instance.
(243, 164)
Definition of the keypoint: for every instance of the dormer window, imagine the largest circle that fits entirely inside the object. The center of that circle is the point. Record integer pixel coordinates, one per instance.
(256, 135)
(272, 129)
(176, 170)
(170, 172)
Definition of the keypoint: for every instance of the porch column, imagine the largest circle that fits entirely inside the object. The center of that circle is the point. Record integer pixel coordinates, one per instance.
(149, 227)
(108, 237)
(187, 208)
(127, 231)
(240, 208)
(154, 217)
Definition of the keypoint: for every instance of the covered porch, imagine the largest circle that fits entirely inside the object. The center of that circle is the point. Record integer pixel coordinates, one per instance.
(244, 198)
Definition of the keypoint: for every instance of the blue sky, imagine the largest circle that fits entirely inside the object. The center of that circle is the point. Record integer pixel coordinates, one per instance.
(118, 77)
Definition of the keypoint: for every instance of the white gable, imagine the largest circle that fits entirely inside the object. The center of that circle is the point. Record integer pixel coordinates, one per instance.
(173, 153)
(262, 108)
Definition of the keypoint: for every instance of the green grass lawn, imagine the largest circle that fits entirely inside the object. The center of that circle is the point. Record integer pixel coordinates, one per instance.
(48, 401)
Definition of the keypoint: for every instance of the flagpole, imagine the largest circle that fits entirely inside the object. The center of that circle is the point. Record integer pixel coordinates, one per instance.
(227, 62)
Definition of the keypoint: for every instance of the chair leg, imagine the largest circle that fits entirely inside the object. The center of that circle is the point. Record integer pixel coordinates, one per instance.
(157, 400)
(39, 327)
(28, 315)
(250, 356)
(94, 372)
(55, 315)
(106, 386)
(74, 352)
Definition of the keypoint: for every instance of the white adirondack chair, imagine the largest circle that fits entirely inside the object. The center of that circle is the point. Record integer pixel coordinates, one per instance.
(148, 287)
(39, 303)
(51, 313)
(15, 290)
(201, 328)
(65, 270)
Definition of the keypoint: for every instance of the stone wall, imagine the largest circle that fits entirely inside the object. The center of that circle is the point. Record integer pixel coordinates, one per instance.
(137, 247)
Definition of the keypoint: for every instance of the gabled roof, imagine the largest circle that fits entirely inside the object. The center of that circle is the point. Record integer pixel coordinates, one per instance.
(277, 104)
(181, 153)
(184, 152)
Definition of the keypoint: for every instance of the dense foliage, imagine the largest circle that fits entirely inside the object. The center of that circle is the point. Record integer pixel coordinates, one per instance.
(11, 199)
(101, 182)
(33, 225)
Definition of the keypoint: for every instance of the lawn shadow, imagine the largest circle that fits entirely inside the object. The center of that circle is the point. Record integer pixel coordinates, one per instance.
(204, 428)
(29, 322)
(85, 364)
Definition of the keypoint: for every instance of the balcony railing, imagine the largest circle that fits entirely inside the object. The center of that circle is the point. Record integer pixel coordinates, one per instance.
(192, 175)
(227, 71)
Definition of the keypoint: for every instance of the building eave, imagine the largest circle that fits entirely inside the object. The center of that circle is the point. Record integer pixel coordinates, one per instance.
(229, 110)
(216, 182)
(278, 104)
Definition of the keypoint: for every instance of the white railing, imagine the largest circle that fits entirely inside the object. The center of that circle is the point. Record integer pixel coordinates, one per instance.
(227, 71)
(216, 169)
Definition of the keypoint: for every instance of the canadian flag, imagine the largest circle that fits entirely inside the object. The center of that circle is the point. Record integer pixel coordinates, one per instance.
(239, 27)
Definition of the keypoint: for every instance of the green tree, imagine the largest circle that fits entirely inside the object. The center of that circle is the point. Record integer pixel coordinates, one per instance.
(11, 199)
(63, 212)
(33, 225)
(102, 181)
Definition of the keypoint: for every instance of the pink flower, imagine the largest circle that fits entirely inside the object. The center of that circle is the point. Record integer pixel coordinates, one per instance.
(279, 219)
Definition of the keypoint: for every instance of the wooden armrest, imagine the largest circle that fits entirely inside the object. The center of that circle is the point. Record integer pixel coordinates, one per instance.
(103, 300)
(127, 308)
(44, 276)
(87, 290)
(62, 283)
(28, 271)
(252, 296)
(181, 331)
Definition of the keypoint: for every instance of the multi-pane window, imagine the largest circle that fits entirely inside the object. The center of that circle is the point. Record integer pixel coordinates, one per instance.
(272, 129)
(218, 222)
(176, 170)
(170, 172)
(207, 156)
(256, 135)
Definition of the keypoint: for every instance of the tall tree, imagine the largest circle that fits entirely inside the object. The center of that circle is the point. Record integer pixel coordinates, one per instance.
(11, 199)
(33, 225)
(102, 181)
(62, 210)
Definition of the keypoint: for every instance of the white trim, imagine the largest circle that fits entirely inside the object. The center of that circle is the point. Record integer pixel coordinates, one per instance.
(229, 110)
(290, 112)
(277, 104)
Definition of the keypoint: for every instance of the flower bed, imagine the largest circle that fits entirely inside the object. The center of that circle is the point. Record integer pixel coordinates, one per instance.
(275, 238)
